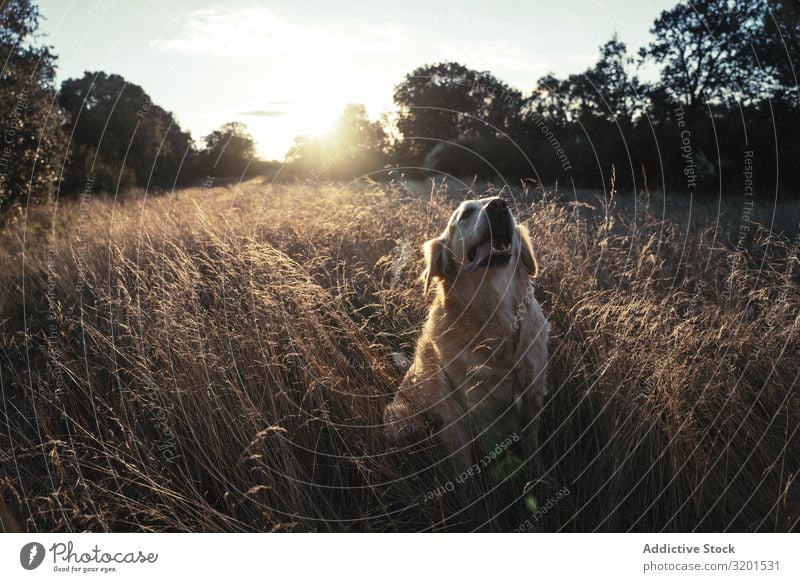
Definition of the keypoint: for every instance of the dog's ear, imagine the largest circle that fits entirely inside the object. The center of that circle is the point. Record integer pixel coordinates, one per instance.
(436, 261)
(526, 256)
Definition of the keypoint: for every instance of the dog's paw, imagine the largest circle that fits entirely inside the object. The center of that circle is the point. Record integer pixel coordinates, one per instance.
(400, 422)
(400, 361)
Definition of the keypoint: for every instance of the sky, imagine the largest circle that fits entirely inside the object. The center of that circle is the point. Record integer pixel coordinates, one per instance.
(286, 68)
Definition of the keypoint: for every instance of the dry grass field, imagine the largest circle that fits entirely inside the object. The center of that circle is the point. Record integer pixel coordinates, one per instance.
(218, 360)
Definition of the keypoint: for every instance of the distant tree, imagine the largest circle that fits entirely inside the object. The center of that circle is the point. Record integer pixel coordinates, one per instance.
(355, 146)
(780, 45)
(32, 144)
(20, 19)
(120, 138)
(550, 100)
(704, 50)
(228, 150)
(355, 127)
(447, 100)
(301, 151)
(618, 90)
(735, 56)
(586, 121)
(602, 92)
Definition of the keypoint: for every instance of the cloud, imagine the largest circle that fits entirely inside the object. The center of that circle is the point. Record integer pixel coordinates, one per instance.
(393, 33)
(257, 31)
(264, 113)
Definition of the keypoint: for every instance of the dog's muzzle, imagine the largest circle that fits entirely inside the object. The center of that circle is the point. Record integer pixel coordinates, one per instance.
(495, 249)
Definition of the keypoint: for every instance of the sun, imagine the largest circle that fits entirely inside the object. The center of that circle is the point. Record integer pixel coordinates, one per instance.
(316, 119)
(275, 134)
(310, 105)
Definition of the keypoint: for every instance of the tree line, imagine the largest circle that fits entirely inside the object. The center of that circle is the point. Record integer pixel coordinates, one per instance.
(97, 132)
(721, 112)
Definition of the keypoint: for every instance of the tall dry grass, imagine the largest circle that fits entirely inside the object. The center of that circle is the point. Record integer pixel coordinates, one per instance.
(218, 360)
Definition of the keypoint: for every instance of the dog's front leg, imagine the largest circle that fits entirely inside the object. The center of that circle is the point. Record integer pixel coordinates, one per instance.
(401, 421)
(529, 418)
(455, 439)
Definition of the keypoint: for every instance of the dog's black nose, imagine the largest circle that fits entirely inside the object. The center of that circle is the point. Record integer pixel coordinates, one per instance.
(497, 205)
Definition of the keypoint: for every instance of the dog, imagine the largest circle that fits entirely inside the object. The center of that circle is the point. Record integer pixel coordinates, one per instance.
(478, 376)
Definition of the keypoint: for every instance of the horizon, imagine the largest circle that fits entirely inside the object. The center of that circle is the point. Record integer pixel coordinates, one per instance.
(314, 60)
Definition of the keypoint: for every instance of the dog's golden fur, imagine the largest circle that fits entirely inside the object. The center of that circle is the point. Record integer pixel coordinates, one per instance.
(478, 374)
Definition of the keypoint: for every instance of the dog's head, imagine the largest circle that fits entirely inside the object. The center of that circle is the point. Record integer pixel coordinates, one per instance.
(481, 237)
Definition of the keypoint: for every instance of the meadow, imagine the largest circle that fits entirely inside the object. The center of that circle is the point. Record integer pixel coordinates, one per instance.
(217, 359)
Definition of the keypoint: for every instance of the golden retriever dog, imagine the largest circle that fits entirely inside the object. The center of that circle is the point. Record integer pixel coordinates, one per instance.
(478, 373)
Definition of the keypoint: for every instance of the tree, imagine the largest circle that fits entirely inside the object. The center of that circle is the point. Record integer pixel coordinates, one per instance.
(780, 46)
(33, 144)
(607, 91)
(447, 100)
(549, 100)
(618, 90)
(704, 49)
(355, 127)
(228, 151)
(120, 138)
(354, 147)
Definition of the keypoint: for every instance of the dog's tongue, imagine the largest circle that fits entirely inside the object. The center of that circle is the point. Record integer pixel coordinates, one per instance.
(482, 256)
